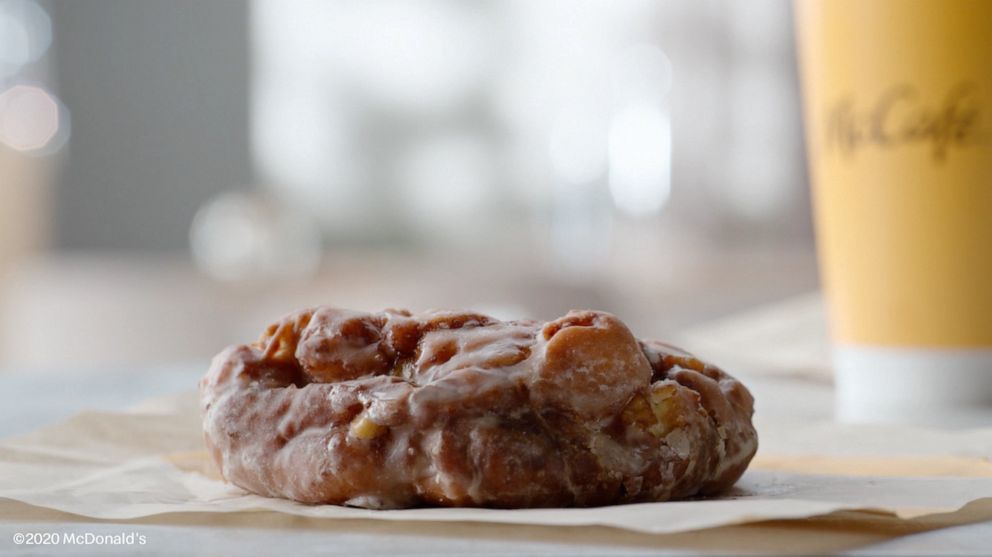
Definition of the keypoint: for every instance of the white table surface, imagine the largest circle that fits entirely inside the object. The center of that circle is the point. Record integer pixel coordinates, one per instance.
(28, 402)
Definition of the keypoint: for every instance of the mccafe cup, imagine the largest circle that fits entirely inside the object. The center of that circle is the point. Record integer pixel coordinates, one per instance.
(898, 110)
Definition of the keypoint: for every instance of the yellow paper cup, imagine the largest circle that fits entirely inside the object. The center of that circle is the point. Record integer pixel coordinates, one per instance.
(898, 110)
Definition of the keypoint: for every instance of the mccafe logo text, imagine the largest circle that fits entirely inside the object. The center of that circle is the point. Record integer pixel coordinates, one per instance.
(900, 117)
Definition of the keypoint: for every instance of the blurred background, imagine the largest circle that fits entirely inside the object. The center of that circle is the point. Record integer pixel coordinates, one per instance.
(175, 175)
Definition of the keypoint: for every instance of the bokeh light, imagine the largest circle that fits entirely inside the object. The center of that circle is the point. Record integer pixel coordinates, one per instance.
(640, 135)
(30, 119)
(641, 73)
(640, 153)
(247, 237)
(25, 34)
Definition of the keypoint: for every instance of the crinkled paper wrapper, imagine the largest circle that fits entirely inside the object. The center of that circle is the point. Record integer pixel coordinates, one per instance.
(151, 460)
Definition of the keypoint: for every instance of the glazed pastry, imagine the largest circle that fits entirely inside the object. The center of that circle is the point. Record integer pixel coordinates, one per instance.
(454, 408)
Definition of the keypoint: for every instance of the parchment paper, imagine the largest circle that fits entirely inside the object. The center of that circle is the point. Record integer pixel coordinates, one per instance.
(150, 460)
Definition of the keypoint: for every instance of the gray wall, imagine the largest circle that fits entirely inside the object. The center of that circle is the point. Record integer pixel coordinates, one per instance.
(158, 96)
